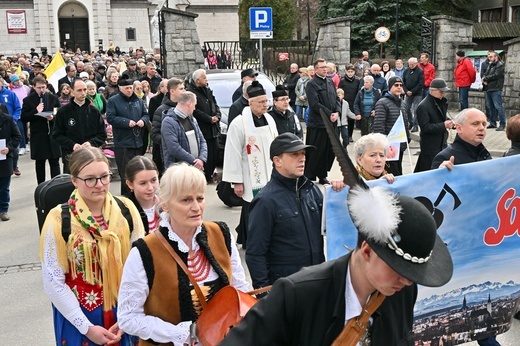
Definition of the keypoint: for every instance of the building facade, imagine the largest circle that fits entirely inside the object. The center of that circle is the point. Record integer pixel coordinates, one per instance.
(89, 24)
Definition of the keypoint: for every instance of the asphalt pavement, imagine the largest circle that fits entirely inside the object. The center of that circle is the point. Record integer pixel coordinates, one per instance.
(26, 315)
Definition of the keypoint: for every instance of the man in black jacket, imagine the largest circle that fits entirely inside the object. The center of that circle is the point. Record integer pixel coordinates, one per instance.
(78, 124)
(208, 115)
(175, 87)
(247, 74)
(413, 82)
(238, 106)
(284, 118)
(321, 94)
(290, 83)
(312, 306)
(10, 133)
(431, 116)
(493, 82)
(350, 85)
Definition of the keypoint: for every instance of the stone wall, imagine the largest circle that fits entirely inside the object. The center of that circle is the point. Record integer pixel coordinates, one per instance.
(183, 53)
(512, 78)
(333, 42)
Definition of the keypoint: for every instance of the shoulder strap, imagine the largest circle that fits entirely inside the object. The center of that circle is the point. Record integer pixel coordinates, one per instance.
(356, 326)
(65, 221)
(126, 213)
(181, 264)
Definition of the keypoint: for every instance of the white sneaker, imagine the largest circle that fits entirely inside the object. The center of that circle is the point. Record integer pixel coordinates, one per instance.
(22, 151)
(27, 150)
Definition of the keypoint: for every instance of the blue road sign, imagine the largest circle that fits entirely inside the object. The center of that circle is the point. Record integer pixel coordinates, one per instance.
(260, 19)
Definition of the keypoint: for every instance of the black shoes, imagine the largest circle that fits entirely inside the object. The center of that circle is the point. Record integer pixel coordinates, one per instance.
(4, 217)
(324, 181)
(492, 126)
(501, 128)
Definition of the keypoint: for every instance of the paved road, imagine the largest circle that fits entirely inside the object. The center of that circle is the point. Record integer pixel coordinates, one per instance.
(25, 314)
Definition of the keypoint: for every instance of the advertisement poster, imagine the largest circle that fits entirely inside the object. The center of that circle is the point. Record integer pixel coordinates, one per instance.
(16, 22)
(478, 208)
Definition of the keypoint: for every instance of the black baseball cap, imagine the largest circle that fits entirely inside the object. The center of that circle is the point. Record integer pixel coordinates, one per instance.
(287, 143)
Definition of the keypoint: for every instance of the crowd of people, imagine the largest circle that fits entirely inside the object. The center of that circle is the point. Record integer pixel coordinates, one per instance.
(116, 105)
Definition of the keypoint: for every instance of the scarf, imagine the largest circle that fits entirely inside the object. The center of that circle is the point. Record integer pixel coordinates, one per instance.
(106, 256)
(367, 176)
(258, 140)
(96, 101)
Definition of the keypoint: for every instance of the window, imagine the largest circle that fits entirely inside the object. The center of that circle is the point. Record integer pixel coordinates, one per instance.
(130, 34)
(491, 16)
(515, 14)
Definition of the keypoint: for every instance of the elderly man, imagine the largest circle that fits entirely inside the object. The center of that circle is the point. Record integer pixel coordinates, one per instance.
(131, 71)
(434, 124)
(290, 83)
(247, 74)
(151, 77)
(388, 110)
(207, 113)
(286, 120)
(182, 140)
(285, 217)
(246, 156)
(380, 82)
(413, 81)
(467, 147)
(322, 96)
(493, 82)
(128, 116)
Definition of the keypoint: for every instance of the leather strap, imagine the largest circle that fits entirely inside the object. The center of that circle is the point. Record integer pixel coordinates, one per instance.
(356, 327)
(181, 264)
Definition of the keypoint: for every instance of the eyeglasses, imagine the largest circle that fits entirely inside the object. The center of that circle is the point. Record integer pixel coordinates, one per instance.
(91, 182)
(398, 85)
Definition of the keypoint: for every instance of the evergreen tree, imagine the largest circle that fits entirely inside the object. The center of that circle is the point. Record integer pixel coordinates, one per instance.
(285, 17)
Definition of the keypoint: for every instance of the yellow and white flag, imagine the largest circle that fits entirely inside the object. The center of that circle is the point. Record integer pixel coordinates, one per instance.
(56, 70)
(18, 71)
(122, 67)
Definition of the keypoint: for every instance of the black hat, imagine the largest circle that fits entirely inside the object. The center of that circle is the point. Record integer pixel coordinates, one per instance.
(394, 80)
(37, 64)
(255, 89)
(280, 91)
(248, 73)
(125, 82)
(440, 84)
(287, 143)
(461, 53)
(403, 233)
(132, 62)
(101, 67)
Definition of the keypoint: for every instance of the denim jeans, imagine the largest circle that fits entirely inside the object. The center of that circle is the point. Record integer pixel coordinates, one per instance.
(5, 197)
(491, 341)
(463, 97)
(300, 111)
(409, 106)
(496, 104)
(343, 130)
(20, 125)
(491, 112)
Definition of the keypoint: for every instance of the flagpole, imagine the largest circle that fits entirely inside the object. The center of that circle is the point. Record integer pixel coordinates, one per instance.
(409, 154)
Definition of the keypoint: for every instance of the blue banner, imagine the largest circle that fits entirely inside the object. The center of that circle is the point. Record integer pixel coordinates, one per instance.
(478, 208)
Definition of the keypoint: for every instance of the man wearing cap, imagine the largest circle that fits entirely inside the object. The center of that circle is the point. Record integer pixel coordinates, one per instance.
(465, 75)
(322, 95)
(286, 120)
(284, 232)
(387, 112)
(331, 303)
(131, 71)
(238, 106)
(247, 74)
(36, 67)
(246, 155)
(128, 116)
(431, 116)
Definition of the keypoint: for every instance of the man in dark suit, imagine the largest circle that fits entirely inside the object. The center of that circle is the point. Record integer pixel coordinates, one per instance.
(431, 116)
(323, 304)
(247, 74)
(69, 78)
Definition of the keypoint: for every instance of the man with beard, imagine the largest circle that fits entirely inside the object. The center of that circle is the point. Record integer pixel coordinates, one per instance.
(207, 113)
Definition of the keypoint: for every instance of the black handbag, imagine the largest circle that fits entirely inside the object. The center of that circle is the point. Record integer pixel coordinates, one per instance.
(227, 194)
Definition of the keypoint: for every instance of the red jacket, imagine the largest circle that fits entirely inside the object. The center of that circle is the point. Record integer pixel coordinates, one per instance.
(429, 73)
(465, 73)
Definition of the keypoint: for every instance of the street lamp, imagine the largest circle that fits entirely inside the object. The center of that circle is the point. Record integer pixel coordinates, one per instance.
(397, 30)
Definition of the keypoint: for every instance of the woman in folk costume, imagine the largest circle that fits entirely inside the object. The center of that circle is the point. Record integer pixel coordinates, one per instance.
(82, 274)
(142, 178)
(246, 157)
(157, 300)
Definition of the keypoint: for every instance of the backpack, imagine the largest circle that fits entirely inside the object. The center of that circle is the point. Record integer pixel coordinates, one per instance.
(65, 218)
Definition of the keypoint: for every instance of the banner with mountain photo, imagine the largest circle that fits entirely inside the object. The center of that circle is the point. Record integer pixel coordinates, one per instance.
(478, 209)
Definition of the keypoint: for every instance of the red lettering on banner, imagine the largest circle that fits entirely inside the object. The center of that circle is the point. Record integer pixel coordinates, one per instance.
(508, 219)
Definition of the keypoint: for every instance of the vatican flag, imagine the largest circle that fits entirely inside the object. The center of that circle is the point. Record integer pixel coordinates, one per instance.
(18, 71)
(122, 67)
(56, 70)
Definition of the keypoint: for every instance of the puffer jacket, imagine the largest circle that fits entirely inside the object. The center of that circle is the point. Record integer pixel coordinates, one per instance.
(284, 229)
(166, 104)
(388, 110)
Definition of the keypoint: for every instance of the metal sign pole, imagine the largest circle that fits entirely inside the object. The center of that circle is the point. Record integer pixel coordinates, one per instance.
(261, 57)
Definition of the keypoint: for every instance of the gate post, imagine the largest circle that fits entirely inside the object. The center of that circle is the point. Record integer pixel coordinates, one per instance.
(333, 42)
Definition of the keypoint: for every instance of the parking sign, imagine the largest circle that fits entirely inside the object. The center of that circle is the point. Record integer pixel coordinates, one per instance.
(260, 19)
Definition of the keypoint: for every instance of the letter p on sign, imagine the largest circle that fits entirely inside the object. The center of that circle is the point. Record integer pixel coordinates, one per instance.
(260, 18)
